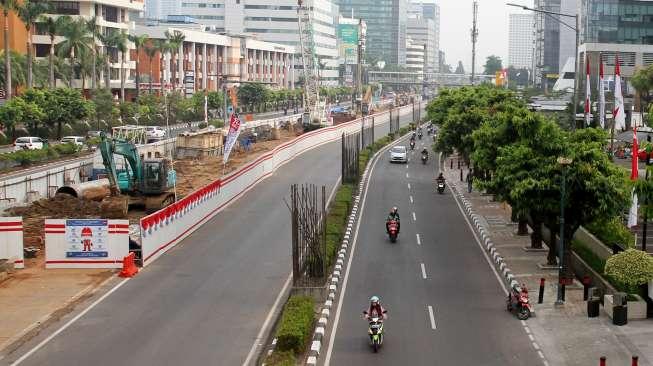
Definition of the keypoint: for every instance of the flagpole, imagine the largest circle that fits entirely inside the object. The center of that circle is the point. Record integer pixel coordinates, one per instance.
(612, 139)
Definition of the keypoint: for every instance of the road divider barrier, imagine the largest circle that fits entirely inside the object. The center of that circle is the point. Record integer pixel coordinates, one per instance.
(11, 241)
(167, 227)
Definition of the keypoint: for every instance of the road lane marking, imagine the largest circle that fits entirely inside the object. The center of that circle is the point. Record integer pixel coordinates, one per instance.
(414, 217)
(423, 270)
(432, 317)
(411, 199)
(69, 323)
(409, 186)
(530, 336)
(407, 175)
(419, 240)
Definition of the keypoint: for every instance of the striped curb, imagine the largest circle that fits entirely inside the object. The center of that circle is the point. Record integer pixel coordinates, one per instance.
(499, 263)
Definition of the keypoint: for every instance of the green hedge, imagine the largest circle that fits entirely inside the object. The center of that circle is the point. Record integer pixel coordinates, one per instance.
(296, 324)
(281, 359)
(26, 157)
(612, 231)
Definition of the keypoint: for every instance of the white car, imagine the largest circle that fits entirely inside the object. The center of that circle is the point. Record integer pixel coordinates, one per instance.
(398, 154)
(155, 132)
(28, 143)
(77, 140)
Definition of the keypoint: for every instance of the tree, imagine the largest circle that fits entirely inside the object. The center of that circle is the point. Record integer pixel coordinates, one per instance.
(29, 12)
(93, 28)
(492, 65)
(151, 51)
(175, 40)
(139, 43)
(163, 47)
(61, 106)
(642, 81)
(252, 94)
(518, 77)
(104, 108)
(75, 44)
(119, 40)
(7, 6)
(17, 62)
(109, 41)
(460, 69)
(18, 111)
(52, 28)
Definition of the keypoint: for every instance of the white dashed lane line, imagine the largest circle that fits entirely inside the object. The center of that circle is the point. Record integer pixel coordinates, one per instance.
(419, 240)
(414, 217)
(432, 317)
(423, 270)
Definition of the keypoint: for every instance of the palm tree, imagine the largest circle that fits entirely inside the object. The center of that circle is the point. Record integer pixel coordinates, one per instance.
(176, 40)
(7, 6)
(17, 62)
(76, 42)
(163, 47)
(53, 27)
(109, 42)
(29, 12)
(91, 24)
(119, 41)
(150, 51)
(139, 42)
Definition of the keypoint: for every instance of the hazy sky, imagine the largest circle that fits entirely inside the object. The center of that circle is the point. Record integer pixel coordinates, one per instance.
(456, 25)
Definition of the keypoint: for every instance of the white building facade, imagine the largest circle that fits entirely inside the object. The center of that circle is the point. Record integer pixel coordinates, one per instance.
(415, 56)
(520, 41)
(424, 26)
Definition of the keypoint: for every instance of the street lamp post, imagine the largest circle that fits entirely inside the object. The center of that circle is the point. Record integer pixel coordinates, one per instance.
(577, 31)
(564, 162)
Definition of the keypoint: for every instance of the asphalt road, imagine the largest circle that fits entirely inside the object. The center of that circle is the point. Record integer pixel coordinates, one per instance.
(203, 302)
(443, 272)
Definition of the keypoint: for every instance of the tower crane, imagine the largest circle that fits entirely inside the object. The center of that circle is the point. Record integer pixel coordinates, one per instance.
(314, 112)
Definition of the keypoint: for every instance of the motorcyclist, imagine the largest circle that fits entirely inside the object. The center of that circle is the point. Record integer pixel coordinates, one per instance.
(425, 152)
(375, 309)
(393, 216)
(440, 178)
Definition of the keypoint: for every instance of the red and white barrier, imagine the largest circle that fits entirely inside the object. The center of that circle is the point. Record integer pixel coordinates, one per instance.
(86, 243)
(165, 228)
(11, 240)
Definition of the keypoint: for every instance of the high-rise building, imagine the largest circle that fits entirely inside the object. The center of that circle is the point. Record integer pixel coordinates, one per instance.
(520, 41)
(424, 26)
(552, 42)
(386, 27)
(415, 56)
(265, 20)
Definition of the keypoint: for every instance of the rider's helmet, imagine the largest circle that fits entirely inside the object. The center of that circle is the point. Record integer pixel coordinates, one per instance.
(374, 300)
(394, 210)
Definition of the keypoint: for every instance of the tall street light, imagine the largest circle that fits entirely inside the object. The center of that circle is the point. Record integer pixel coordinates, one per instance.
(575, 29)
(564, 162)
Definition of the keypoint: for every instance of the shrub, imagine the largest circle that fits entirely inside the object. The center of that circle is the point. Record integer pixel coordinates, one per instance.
(281, 359)
(296, 324)
(630, 268)
(217, 123)
(612, 231)
(588, 256)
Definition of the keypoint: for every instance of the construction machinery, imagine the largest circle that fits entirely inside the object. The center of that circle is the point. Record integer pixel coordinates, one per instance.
(314, 109)
(366, 104)
(147, 183)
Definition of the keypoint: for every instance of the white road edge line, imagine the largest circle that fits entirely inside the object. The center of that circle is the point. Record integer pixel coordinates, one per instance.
(351, 256)
(423, 270)
(411, 199)
(414, 217)
(68, 324)
(419, 240)
(268, 319)
(432, 317)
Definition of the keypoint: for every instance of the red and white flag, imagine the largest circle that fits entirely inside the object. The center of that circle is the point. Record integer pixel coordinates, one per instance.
(588, 93)
(634, 174)
(601, 94)
(232, 136)
(618, 113)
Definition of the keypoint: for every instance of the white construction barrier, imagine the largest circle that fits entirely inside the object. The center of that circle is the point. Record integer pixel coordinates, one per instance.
(86, 243)
(165, 228)
(11, 240)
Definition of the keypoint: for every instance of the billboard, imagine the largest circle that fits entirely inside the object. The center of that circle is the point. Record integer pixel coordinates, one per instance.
(348, 40)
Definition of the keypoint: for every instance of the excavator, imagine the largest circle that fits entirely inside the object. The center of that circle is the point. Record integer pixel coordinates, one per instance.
(148, 183)
(367, 101)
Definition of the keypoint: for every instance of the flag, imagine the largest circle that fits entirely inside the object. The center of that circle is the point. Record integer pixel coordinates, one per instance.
(206, 109)
(588, 93)
(232, 135)
(618, 112)
(601, 94)
(634, 168)
(632, 214)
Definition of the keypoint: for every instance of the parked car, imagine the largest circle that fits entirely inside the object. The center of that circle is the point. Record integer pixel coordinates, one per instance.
(155, 132)
(91, 134)
(77, 140)
(398, 154)
(29, 143)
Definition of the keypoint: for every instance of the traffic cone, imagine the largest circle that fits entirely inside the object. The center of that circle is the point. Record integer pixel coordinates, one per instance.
(129, 268)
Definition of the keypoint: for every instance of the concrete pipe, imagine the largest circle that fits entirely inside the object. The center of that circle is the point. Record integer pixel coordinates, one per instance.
(95, 190)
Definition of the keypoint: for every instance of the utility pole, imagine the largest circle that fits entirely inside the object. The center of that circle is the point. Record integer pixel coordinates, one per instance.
(359, 69)
(474, 39)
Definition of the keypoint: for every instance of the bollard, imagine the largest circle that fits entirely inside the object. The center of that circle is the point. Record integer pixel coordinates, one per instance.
(602, 361)
(586, 285)
(461, 175)
(458, 163)
(540, 296)
(563, 291)
(635, 361)
(451, 167)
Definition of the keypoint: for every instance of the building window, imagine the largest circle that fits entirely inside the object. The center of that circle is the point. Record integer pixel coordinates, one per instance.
(110, 14)
(42, 50)
(65, 7)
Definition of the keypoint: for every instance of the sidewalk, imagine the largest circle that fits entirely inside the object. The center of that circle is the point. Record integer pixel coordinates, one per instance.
(565, 334)
(31, 299)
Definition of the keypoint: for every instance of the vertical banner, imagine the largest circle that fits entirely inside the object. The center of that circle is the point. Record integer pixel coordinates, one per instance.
(618, 112)
(234, 130)
(601, 94)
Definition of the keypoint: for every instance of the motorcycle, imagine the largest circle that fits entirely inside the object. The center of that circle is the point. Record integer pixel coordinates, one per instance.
(419, 135)
(412, 144)
(518, 302)
(424, 158)
(440, 186)
(393, 230)
(375, 332)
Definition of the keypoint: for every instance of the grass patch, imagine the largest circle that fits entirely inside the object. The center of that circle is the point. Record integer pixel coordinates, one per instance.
(593, 260)
(296, 324)
(612, 231)
(281, 359)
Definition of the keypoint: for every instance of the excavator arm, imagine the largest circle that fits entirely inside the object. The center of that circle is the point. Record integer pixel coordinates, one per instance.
(109, 147)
